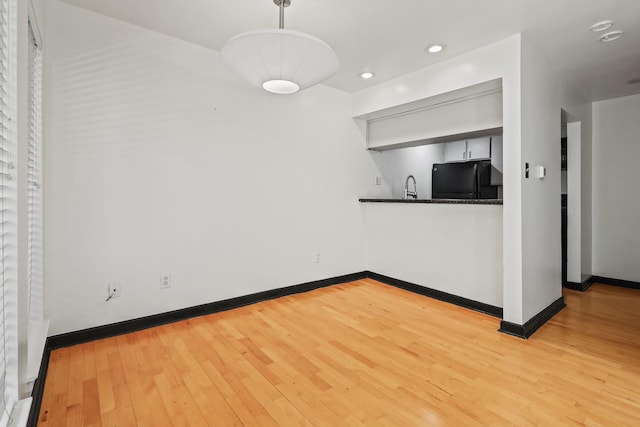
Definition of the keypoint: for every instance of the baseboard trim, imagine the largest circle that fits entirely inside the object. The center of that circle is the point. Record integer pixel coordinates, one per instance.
(105, 331)
(583, 286)
(526, 330)
(616, 282)
(38, 388)
(491, 310)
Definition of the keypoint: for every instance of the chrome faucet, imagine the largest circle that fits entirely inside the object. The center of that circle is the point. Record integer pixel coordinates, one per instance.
(410, 194)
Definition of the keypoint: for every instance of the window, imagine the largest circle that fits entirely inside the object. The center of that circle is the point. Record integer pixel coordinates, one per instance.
(37, 327)
(34, 192)
(8, 214)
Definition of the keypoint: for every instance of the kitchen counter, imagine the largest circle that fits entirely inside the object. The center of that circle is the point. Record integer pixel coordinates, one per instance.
(446, 245)
(437, 201)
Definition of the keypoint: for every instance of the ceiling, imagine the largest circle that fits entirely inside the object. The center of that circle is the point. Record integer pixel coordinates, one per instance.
(389, 37)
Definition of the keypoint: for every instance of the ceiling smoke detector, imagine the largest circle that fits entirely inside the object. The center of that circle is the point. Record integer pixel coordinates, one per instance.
(601, 26)
(609, 37)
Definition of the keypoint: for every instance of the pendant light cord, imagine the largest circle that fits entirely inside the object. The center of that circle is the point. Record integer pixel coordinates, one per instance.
(282, 14)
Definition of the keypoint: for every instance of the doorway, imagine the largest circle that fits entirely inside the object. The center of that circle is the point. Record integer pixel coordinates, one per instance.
(563, 200)
(571, 199)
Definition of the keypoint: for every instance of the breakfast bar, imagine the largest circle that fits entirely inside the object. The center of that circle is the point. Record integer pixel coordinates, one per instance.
(450, 245)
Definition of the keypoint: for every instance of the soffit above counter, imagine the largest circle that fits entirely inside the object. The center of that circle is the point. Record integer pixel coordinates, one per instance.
(469, 112)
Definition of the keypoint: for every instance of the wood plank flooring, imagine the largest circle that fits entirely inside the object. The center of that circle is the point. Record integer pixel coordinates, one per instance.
(358, 354)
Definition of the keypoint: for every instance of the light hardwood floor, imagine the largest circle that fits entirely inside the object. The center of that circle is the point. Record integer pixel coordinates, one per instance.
(360, 353)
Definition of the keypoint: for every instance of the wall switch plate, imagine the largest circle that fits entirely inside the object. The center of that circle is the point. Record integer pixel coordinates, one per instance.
(542, 172)
(378, 180)
(115, 289)
(165, 281)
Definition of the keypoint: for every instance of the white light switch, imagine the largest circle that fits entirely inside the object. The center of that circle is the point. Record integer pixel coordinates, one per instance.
(542, 172)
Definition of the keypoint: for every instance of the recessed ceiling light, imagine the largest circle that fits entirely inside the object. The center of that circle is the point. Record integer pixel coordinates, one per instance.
(367, 75)
(634, 81)
(601, 26)
(609, 37)
(435, 48)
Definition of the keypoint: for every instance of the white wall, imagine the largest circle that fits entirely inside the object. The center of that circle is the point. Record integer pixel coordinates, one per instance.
(452, 248)
(500, 60)
(541, 212)
(533, 96)
(396, 165)
(159, 160)
(616, 205)
(578, 109)
(544, 96)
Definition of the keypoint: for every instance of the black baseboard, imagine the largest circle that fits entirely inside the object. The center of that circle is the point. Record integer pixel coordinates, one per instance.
(119, 328)
(38, 388)
(491, 310)
(583, 286)
(616, 282)
(526, 330)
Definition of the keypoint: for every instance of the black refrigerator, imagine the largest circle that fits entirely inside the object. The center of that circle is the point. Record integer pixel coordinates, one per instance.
(463, 180)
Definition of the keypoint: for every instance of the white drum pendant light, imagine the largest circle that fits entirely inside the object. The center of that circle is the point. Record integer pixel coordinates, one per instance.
(281, 61)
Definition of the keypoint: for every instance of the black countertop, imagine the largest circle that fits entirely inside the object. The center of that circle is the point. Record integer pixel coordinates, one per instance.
(438, 201)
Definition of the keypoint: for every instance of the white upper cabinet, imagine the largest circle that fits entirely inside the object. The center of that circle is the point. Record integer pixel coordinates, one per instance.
(479, 148)
(455, 151)
(469, 149)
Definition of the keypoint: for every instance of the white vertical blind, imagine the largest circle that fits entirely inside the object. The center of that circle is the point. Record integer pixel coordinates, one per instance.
(34, 192)
(8, 208)
(4, 141)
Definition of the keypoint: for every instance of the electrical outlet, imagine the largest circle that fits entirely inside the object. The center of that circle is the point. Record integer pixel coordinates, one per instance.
(317, 258)
(115, 289)
(378, 180)
(165, 281)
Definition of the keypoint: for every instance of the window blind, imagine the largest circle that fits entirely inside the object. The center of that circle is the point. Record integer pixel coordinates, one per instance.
(4, 145)
(34, 179)
(8, 207)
